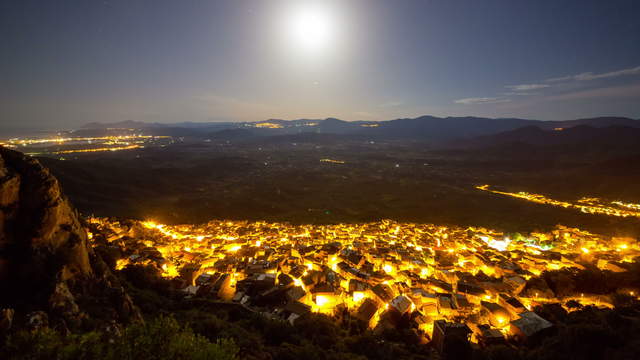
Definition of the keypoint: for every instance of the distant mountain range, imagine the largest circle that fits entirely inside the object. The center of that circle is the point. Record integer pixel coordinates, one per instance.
(424, 128)
(610, 136)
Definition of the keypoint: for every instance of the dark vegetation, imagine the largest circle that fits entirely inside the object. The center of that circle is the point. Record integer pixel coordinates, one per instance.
(160, 338)
(587, 333)
(176, 328)
(258, 337)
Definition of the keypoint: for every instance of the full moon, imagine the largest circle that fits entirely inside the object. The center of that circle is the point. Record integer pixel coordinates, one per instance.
(311, 27)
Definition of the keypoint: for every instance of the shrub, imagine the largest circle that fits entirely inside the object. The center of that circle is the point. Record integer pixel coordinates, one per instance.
(164, 338)
(160, 339)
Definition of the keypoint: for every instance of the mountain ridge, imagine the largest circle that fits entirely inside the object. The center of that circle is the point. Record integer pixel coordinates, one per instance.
(594, 121)
(424, 128)
(614, 136)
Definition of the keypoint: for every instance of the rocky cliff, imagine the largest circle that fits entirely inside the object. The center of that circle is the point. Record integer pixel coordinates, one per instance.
(47, 266)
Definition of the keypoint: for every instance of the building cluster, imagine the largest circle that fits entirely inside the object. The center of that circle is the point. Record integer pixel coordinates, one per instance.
(588, 205)
(59, 145)
(442, 282)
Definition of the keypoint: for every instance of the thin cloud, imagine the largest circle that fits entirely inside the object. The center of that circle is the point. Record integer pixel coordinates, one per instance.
(559, 84)
(629, 91)
(527, 87)
(481, 100)
(519, 94)
(588, 76)
(560, 79)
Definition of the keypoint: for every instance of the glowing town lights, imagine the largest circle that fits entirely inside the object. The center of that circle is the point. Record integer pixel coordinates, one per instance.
(588, 205)
(114, 139)
(72, 145)
(333, 161)
(627, 205)
(387, 268)
(500, 245)
(115, 148)
(121, 263)
(585, 250)
(170, 271)
(358, 296)
(321, 300)
(149, 224)
(410, 267)
(268, 125)
(554, 266)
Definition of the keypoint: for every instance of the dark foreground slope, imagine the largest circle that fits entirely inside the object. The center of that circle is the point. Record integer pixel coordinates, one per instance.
(48, 270)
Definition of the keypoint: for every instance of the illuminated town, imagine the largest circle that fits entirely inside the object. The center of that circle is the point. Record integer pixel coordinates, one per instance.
(69, 145)
(589, 205)
(437, 277)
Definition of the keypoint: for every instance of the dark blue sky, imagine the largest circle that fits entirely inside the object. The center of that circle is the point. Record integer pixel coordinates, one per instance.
(67, 62)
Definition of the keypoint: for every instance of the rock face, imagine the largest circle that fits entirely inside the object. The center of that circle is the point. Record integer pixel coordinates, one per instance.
(46, 263)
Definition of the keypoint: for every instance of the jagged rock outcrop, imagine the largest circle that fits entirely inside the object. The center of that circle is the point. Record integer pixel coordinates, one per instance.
(46, 262)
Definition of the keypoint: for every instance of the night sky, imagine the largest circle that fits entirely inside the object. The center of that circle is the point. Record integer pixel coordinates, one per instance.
(64, 63)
